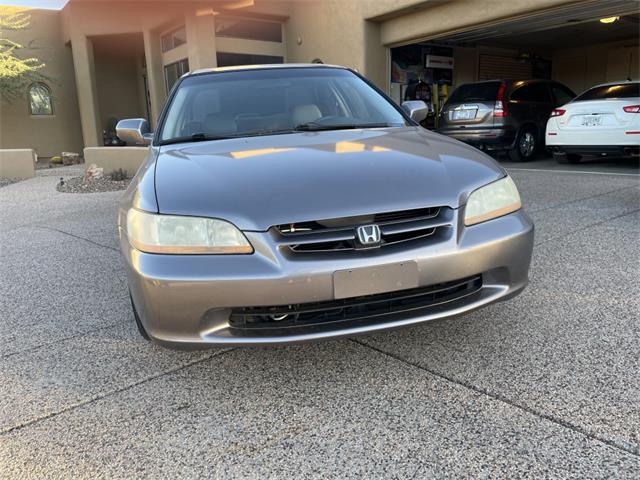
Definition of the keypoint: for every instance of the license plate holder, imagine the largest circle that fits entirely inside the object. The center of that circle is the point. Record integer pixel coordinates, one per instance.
(465, 114)
(357, 282)
(592, 121)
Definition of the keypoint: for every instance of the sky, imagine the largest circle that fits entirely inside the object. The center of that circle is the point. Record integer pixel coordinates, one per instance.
(52, 4)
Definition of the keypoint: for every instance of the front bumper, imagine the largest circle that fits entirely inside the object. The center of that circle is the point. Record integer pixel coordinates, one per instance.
(186, 301)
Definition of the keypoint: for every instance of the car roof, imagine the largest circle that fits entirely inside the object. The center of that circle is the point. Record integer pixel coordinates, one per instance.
(619, 82)
(512, 81)
(241, 68)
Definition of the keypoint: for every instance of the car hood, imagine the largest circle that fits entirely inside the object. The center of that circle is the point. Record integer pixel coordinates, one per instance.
(258, 182)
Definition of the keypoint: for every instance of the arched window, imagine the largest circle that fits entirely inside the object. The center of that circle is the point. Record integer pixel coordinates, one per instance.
(40, 101)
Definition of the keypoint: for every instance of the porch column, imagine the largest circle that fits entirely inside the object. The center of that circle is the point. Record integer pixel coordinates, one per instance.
(155, 73)
(201, 38)
(83, 63)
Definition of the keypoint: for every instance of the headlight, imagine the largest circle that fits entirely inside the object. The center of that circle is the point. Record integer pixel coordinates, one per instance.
(172, 234)
(491, 201)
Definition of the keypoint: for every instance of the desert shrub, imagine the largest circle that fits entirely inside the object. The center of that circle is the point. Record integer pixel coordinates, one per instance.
(119, 175)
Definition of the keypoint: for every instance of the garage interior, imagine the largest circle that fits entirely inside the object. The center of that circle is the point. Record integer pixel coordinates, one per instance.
(579, 45)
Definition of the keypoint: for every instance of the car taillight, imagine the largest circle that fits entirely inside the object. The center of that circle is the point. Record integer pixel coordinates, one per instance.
(499, 109)
(632, 109)
(558, 112)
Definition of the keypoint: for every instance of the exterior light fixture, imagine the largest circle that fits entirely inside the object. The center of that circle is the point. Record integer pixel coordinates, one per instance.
(609, 19)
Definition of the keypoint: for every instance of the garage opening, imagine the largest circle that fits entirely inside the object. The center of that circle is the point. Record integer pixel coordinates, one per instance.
(576, 46)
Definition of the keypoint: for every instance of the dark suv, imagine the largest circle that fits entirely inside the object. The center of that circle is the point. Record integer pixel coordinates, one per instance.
(506, 115)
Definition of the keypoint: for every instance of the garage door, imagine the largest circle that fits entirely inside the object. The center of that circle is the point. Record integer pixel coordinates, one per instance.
(503, 67)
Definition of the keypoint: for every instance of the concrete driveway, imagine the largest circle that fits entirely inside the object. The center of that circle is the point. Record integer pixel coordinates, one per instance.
(545, 385)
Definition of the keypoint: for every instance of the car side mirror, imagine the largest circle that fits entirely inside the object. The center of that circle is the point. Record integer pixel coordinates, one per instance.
(416, 109)
(134, 131)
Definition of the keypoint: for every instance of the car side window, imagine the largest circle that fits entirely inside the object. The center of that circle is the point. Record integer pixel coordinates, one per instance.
(533, 92)
(562, 94)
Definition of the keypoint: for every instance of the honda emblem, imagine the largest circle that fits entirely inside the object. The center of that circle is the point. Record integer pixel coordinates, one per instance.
(369, 235)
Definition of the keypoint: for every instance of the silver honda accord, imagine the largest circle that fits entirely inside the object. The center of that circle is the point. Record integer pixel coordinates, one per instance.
(291, 203)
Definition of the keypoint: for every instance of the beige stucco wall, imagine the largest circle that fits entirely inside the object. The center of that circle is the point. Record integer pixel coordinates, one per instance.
(47, 135)
(355, 33)
(582, 67)
(336, 32)
(17, 163)
(114, 158)
(84, 20)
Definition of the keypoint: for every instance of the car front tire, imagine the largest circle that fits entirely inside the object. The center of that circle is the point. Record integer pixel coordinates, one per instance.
(565, 158)
(525, 147)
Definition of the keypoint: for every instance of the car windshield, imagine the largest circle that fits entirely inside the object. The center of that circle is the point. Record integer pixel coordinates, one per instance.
(621, 90)
(270, 101)
(484, 91)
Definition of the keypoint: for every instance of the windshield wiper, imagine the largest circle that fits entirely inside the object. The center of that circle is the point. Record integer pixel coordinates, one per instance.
(196, 137)
(316, 127)
(305, 127)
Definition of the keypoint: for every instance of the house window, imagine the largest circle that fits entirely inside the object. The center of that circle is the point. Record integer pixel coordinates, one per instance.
(174, 71)
(249, 29)
(40, 101)
(174, 39)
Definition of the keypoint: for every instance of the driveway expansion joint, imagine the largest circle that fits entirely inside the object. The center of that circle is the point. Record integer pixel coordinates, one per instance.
(582, 199)
(96, 398)
(587, 227)
(579, 172)
(75, 236)
(62, 340)
(632, 450)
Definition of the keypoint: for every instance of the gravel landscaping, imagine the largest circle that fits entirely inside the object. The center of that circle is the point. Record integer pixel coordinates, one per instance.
(104, 184)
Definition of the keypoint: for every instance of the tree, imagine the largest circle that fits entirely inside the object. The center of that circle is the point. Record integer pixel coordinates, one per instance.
(17, 71)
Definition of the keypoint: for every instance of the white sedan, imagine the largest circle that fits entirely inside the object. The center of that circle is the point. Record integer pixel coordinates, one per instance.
(604, 121)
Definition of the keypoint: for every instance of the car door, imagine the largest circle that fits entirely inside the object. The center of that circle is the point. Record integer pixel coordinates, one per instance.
(533, 103)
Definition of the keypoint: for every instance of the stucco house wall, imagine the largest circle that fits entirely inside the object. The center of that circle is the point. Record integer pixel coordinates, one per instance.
(47, 135)
(337, 32)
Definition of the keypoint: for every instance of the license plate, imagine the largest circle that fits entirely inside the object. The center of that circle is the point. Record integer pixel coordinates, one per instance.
(467, 114)
(371, 280)
(592, 121)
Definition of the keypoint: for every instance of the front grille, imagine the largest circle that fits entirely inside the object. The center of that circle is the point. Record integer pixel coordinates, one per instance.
(418, 300)
(334, 235)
